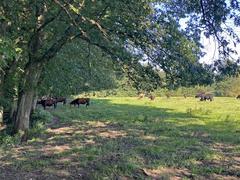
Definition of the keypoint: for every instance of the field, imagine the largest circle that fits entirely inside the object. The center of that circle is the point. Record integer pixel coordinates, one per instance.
(127, 138)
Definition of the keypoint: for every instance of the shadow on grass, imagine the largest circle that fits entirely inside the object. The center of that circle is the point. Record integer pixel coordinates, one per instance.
(122, 141)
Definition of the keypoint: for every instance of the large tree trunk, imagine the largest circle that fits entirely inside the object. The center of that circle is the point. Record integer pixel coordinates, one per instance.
(26, 98)
(32, 74)
(24, 110)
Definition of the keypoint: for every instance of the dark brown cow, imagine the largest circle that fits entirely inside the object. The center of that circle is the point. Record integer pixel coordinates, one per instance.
(79, 101)
(61, 99)
(205, 97)
(151, 97)
(48, 102)
(238, 97)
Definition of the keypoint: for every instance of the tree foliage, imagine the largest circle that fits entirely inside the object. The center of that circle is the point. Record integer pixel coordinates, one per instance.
(77, 68)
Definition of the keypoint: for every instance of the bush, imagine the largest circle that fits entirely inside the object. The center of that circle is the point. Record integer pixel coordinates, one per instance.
(7, 140)
(40, 116)
(38, 126)
(38, 122)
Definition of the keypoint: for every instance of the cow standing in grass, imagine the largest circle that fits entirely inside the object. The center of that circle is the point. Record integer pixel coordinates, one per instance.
(238, 97)
(79, 101)
(61, 100)
(47, 102)
(205, 97)
(151, 97)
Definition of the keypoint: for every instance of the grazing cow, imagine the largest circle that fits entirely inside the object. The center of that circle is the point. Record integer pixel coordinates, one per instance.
(238, 97)
(61, 99)
(40, 100)
(151, 97)
(205, 97)
(79, 101)
(48, 102)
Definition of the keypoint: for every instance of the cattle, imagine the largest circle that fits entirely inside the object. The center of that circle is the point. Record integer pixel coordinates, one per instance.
(238, 97)
(39, 101)
(47, 102)
(205, 97)
(61, 99)
(151, 97)
(79, 101)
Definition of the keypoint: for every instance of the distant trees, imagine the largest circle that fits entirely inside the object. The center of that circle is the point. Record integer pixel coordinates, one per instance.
(228, 87)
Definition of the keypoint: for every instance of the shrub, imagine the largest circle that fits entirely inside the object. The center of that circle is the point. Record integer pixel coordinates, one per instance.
(40, 116)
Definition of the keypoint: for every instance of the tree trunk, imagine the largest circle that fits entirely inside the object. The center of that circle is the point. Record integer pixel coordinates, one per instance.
(34, 103)
(24, 110)
(26, 98)
(12, 112)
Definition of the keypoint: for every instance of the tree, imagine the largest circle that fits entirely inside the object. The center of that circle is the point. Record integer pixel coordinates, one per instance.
(225, 68)
(42, 28)
(77, 72)
(209, 17)
(9, 55)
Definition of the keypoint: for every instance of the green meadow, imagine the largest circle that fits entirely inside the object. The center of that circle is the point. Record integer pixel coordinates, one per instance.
(130, 138)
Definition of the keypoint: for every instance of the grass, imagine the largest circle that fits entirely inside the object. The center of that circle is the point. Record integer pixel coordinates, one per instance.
(127, 138)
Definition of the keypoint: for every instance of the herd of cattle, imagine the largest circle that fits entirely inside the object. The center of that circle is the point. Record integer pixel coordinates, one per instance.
(53, 101)
(202, 96)
(208, 96)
